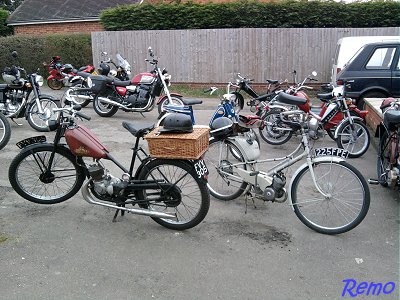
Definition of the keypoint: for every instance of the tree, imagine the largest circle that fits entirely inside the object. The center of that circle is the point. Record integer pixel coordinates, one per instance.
(4, 29)
(10, 5)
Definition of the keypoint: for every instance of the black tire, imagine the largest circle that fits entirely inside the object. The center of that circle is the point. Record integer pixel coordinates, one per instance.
(30, 181)
(331, 131)
(224, 183)
(103, 109)
(37, 120)
(345, 193)
(356, 146)
(5, 131)
(175, 99)
(191, 204)
(269, 134)
(55, 84)
(82, 84)
(361, 101)
(383, 159)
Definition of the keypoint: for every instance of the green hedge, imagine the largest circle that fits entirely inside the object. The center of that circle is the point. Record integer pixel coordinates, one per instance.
(252, 14)
(75, 49)
(4, 29)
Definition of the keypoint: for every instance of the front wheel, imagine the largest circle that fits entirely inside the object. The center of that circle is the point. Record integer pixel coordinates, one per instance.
(37, 120)
(55, 84)
(175, 100)
(345, 203)
(102, 108)
(187, 198)
(5, 131)
(39, 177)
(354, 138)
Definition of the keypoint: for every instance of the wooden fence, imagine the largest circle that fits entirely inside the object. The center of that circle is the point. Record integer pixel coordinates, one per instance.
(216, 55)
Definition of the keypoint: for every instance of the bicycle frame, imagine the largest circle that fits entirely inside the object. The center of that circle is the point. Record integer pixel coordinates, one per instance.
(263, 179)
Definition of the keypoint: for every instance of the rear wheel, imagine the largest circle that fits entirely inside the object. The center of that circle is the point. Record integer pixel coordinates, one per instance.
(384, 155)
(270, 133)
(102, 108)
(79, 96)
(222, 159)
(175, 100)
(55, 84)
(187, 197)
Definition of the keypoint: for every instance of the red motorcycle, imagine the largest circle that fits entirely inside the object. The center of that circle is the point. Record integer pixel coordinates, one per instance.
(64, 75)
(135, 95)
(342, 120)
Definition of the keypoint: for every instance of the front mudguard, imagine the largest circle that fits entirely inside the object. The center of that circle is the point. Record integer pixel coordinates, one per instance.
(344, 122)
(163, 97)
(305, 165)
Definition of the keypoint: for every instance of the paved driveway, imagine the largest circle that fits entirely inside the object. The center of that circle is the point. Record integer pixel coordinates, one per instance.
(72, 250)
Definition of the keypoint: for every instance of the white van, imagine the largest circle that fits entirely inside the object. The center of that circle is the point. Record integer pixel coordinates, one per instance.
(347, 47)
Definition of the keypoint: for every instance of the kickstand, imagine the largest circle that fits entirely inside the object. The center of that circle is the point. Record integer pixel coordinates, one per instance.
(12, 119)
(119, 210)
(143, 115)
(247, 196)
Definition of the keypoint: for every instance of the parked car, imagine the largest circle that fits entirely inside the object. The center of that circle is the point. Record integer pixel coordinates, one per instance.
(348, 46)
(373, 72)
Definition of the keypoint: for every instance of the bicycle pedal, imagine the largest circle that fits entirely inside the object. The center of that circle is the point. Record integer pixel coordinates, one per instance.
(373, 181)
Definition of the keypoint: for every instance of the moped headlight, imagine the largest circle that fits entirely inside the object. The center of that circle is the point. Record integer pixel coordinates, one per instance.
(39, 80)
(89, 82)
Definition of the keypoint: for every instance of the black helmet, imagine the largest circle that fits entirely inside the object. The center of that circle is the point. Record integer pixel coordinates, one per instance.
(104, 69)
(221, 127)
(179, 123)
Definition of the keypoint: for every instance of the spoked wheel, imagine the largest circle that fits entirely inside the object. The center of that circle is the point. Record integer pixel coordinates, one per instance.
(37, 120)
(34, 179)
(344, 205)
(385, 152)
(55, 84)
(102, 108)
(222, 159)
(187, 197)
(270, 133)
(175, 101)
(5, 131)
(83, 98)
(354, 139)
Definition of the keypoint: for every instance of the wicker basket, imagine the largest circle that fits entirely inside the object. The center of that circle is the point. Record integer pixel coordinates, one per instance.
(178, 145)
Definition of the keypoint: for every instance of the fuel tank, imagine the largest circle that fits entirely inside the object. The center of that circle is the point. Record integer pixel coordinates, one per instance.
(143, 78)
(307, 106)
(83, 142)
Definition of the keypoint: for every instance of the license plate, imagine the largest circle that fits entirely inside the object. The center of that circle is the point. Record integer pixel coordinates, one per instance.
(326, 151)
(201, 169)
(31, 140)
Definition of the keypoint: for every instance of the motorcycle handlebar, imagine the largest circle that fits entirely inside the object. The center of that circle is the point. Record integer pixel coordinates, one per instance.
(83, 116)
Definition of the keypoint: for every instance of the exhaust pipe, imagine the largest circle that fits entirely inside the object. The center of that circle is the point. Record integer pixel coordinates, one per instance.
(145, 212)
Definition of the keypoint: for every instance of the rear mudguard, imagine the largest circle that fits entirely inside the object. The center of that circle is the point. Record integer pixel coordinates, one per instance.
(162, 97)
(144, 163)
(43, 96)
(344, 122)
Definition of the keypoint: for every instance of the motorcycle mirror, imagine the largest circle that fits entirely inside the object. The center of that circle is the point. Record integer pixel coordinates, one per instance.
(14, 54)
(314, 73)
(104, 53)
(150, 51)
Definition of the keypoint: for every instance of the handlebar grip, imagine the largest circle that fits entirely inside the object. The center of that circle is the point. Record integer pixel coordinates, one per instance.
(385, 106)
(83, 116)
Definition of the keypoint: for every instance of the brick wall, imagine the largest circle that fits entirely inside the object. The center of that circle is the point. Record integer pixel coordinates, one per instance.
(69, 27)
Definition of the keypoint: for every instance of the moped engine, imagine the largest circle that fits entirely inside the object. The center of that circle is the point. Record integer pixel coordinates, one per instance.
(12, 102)
(106, 185)
(276, 191)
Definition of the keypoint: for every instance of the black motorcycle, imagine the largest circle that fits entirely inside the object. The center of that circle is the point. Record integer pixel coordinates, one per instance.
(21, 98)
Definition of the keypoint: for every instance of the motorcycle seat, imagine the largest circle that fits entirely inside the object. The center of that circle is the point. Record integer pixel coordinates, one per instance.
(117, 82)
(138, 132)
(325, 97)
(392, 118)
(289, 99)
(191, 102)
(272, 81)
(265, 97)
(83, 74)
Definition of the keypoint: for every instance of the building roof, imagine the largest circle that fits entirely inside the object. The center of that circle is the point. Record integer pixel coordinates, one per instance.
(58, 11)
